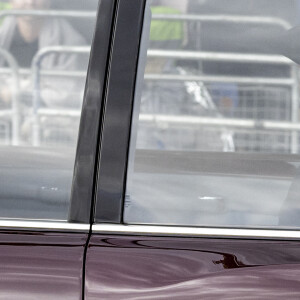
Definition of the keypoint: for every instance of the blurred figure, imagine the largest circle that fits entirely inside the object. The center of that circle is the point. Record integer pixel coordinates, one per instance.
(23, 36)
(176, 98)
(166, 34)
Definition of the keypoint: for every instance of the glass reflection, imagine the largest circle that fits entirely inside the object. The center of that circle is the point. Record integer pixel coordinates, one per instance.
(44, 52)
(217, 141)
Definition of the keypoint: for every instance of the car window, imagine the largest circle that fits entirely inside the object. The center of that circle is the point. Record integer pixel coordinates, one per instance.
(44, 53)
(215, 132)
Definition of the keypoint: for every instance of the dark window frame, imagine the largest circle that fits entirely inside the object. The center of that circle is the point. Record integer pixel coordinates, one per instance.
(86, 162)
(116, 127)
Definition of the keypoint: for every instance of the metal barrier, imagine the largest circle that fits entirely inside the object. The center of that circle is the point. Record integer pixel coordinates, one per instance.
(291, 82)
(238, 126)
(36, 67)
(233, 19)
(7, 114)
(219, 56)
(13, 113)
(224, 19)
(220, 122)
(47, 13)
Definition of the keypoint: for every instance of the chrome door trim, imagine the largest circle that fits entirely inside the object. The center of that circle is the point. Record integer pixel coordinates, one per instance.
(48, 225)
(200, 232)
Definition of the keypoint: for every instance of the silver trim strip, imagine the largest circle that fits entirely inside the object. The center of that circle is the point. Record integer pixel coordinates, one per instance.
(37, 224)
(195, 232)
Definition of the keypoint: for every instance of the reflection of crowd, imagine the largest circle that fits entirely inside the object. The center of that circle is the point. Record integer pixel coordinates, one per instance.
(23, 37)
(254, 101)
(233, 37)
(176, 97)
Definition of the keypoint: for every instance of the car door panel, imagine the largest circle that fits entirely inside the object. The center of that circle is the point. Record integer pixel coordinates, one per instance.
(186, 262)
(41, 264)
(141, 267)
(47, 190)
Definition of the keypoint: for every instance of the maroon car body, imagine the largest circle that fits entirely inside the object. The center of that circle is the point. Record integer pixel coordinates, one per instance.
(41, 265)
(140, 267)
(96, 254)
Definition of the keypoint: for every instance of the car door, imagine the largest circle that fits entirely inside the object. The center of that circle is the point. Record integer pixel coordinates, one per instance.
(46, 184)
(197, 188)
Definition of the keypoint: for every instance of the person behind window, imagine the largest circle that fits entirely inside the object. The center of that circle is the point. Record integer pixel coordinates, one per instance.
(23, 36)
(185, 98)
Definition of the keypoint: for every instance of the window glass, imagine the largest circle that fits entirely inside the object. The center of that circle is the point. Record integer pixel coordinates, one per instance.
(216, 135)
(44, 52)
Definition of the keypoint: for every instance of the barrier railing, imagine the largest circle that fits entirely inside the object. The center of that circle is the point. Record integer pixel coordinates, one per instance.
(47, 13)
(291, 81)
(50, 73)
(13, 113)
(219, 122)
(36, 71)
(225, 19)
(36, 67)
(220, 56)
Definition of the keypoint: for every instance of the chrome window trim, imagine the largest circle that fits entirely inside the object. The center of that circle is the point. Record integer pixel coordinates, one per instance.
(201, 232)
(54, 225)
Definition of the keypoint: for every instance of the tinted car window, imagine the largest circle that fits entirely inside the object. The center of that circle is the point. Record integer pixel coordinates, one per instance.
(44, 52)
(215, 135)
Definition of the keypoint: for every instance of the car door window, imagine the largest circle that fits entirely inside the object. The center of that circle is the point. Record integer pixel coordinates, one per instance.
(44, 53)
(215, 134)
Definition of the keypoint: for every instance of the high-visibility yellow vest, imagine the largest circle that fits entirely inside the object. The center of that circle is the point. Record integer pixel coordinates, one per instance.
(168, 30)
(4, 6)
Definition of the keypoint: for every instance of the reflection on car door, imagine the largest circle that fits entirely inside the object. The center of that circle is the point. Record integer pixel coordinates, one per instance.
(44, 204)
(173, 260)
